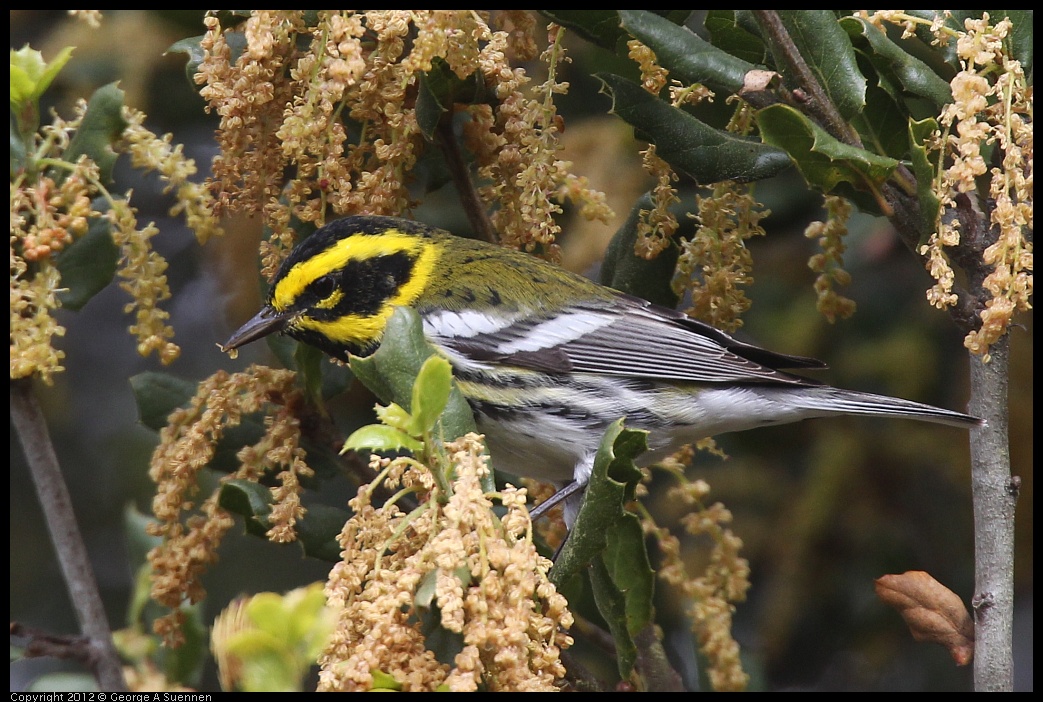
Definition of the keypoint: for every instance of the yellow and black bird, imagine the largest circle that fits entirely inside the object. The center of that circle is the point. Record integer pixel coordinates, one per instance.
(546, 358)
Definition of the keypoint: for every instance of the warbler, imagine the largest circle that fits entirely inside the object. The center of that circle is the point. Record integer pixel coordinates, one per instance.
(547, 359)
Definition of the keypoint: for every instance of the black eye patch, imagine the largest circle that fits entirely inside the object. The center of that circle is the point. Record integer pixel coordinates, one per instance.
(322, 288)
(366, 285)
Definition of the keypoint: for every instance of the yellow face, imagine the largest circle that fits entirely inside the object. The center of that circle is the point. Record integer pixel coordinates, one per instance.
(346, 290)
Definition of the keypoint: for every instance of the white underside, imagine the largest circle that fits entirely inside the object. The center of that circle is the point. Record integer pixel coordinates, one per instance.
(550, 448)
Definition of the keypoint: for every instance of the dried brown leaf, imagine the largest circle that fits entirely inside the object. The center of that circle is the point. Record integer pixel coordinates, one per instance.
(932, 611)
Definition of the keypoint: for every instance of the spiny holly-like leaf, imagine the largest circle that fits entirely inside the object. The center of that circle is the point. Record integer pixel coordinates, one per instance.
(882, 127)
(249, 500)
(611, 604)
(192, 47)
(317, 532)
(925, 170)
(892, 61)
(823, 160)
(690, 146)
(623, 584)
(608, 539)
(159, 394)
(611, 485)
(626, 561)
(380, 438)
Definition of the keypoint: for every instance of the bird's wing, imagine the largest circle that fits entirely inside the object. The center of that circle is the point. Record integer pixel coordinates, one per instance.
(632, 338)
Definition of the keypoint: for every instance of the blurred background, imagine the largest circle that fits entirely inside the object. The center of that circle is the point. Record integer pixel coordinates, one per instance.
(823, 507)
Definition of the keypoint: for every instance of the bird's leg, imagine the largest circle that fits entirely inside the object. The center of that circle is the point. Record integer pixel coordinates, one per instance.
(562, 494)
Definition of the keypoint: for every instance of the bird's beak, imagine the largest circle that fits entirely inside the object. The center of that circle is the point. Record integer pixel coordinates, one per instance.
(267, 321)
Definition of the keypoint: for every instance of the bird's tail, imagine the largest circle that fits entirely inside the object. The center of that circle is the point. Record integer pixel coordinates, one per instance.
(831, 401)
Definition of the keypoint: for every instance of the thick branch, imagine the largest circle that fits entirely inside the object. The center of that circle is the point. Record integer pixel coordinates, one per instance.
(994, 494)
(65, 534)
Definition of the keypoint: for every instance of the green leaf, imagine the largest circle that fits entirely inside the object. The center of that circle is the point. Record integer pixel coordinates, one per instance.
(611, 604)
(1019, 39)
(250, 500)
(309, 362)
(824, 161)
(892, 62)
(954, 22)
(431, 391)
(89, 264)
(623, 583)
(383, 681)
(396, 416)
(59, 683)
(265, 664)
(602, 26)
(611, 485)
(138, 541)
(687, 56)
(268, 613)
(624, 270)
(626, 561)
(159, 394)
(424, 597)
(827, 50)
(102, 126)
(317, 531)
(735, 37)
(186, 663)
(19, 150)
(392, 369)
(1020, 36)
(690, 146)
(882, 127)
(380, 438)
(192, 47)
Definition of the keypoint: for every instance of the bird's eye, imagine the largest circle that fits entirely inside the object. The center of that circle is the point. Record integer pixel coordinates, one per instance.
(323, 287)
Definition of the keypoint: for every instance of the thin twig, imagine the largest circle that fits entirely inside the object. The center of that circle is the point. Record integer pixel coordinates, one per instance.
(76, 568)
(818, 102)
(472, 204)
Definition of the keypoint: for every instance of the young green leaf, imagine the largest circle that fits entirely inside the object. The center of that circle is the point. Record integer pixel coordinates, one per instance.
(431, 393)
(31, 75)
(396, 416)
(379, 438)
